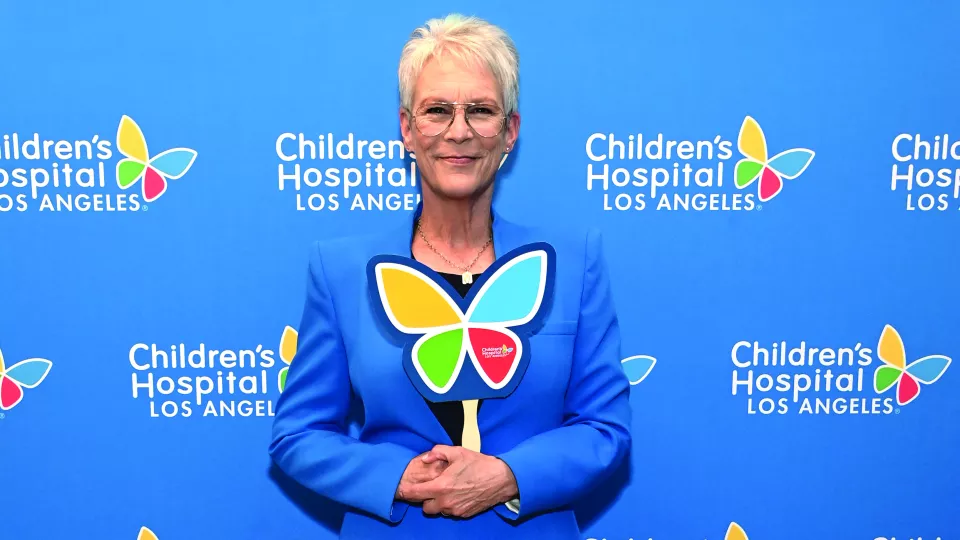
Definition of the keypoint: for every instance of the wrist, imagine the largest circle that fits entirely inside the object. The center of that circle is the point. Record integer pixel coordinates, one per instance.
(508, 486)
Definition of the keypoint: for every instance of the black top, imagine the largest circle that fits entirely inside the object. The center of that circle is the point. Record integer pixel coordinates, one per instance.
(450, 413)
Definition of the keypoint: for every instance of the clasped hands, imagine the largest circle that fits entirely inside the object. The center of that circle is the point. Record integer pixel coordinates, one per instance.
(455, 481)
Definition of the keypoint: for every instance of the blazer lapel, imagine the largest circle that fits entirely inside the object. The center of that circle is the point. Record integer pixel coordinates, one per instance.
(396, 240)
(506, 236)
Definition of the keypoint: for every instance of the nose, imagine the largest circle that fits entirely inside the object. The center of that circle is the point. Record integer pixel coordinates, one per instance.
(459, 130)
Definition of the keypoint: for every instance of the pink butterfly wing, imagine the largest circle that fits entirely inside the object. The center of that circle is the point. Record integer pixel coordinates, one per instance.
(908, 389)
(496, 352)
(770, 184)
(154, 184)
(10, 393)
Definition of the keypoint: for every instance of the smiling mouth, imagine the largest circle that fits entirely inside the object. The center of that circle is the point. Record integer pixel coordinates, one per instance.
(458, 160)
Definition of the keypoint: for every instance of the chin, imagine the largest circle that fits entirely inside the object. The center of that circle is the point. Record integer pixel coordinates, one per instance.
(458, 186)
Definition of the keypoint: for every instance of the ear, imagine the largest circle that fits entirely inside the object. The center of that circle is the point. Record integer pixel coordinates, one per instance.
(406, 129)
(512, 130)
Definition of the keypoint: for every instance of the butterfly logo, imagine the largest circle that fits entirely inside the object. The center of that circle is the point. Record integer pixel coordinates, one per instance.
(735, 532)
(25, 374)
(788, 164)
(638, 367)
(172, 164)
(146, 534)
(896, 371)
(288, 349)
(414, 301)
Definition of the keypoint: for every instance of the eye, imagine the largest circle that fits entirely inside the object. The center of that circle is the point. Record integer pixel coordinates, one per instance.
(436, 110)
(482, 110)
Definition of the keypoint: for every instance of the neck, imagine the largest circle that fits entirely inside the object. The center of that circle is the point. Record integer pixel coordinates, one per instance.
(457, 223)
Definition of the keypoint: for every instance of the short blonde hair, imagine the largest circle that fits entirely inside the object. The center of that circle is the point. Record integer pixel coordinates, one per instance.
(467, 39)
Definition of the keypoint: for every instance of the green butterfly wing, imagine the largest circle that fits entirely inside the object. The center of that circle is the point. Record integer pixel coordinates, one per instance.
(438, 358)
(885, 377)
(128, 172)
(746, 172)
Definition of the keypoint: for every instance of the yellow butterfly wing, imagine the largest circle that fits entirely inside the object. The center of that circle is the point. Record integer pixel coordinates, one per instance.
(735, 532)
(288, 349)
(891, 349)
(130, 140)
(751, 141)
(146, 534)
(2, 368)
(412, 301)
(288, 344)
(753, 146)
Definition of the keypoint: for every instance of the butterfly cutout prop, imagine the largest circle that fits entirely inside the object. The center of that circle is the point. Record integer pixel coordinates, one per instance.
(771, 172)
(441, 330)
(25, 374)
(137, 164)
(897, 372)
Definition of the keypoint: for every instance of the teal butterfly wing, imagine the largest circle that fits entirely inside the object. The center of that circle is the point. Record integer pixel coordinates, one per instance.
(791, 163)
(929, 368)
(511, 297)
(174, 163)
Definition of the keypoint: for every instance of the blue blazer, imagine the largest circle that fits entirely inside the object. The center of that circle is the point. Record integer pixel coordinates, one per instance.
(562, 431)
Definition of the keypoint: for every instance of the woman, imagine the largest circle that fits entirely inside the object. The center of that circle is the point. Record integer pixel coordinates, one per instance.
(546, 444)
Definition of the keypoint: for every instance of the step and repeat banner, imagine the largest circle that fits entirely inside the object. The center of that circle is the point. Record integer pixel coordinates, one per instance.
(777, 183)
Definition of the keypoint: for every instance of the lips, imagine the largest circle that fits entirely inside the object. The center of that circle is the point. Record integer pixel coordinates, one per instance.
(458, 160)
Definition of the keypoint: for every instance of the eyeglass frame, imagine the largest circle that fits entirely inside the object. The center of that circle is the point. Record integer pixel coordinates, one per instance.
(458, 105)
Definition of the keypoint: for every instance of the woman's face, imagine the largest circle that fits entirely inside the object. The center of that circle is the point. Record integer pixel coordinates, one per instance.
(457, 163)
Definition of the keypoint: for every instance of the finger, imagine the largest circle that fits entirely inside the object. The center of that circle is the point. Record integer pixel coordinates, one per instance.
(441, 451)
(431, 507)
(407, 490)
(438, 465)
(403, 489)
(462, 511)
(438, 453)
(433, 471)
(420, 475)
(423, 491)
(431, 457)
(426, 475)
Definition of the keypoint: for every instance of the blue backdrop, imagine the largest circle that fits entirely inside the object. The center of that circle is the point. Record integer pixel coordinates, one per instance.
(100, 287)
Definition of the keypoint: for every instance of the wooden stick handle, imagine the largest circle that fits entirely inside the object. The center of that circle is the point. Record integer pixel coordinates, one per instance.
(471, 431)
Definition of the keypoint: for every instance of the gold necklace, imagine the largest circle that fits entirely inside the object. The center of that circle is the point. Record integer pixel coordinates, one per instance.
(467, 276)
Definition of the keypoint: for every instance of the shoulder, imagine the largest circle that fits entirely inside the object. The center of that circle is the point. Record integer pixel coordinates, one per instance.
(576, 245)
(344, 245)
(579, 265)
(343, 257)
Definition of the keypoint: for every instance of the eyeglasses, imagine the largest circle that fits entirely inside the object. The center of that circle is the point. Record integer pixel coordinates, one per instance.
(485, 119)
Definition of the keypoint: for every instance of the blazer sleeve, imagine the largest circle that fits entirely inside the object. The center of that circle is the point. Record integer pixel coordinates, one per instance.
(310, 441)
(557, 467)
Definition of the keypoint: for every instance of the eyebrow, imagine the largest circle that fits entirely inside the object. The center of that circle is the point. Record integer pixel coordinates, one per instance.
(435, 99)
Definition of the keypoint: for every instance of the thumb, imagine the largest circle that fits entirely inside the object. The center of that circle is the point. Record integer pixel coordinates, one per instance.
(439, 453)
(430, 457)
